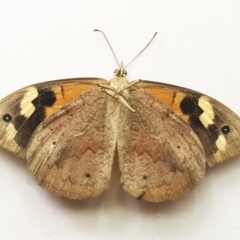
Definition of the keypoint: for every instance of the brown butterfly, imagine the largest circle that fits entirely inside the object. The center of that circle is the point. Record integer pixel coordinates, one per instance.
(68, 131)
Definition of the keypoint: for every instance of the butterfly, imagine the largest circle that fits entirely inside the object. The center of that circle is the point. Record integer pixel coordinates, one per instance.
(69, 131)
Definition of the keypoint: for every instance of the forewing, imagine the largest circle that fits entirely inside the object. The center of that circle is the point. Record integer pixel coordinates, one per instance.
(217, 127)
(71, 152)
(160, 156)
(22, 111)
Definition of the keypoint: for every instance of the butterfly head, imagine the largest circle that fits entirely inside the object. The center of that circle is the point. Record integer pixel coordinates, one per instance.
(120, 72)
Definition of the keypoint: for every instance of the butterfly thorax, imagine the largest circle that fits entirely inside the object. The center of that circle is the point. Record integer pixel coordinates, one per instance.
(119, 80)
(119, 86)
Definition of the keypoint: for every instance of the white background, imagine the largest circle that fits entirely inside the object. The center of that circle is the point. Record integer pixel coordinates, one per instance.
(197, 46)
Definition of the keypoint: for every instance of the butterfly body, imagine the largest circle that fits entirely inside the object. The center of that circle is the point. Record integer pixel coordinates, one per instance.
(68, 131)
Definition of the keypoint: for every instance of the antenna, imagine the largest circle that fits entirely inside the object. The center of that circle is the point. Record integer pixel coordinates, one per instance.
(96, 30)
(142, 49)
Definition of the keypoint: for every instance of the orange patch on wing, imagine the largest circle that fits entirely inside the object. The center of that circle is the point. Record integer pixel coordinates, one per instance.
(169, 97)
(66, 93)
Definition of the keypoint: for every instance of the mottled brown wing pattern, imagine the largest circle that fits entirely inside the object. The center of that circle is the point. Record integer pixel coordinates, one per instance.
(160, 156)
(71, 153)
(22, 111)
(217, 127)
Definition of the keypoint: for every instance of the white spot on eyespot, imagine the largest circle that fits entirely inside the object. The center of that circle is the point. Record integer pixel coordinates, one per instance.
(27, 108)
(207, 116)
(221, 142)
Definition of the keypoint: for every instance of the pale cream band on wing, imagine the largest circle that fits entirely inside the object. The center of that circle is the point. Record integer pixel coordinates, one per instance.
(221, 142)
(207, 118)
(27, 108)
(11, 132)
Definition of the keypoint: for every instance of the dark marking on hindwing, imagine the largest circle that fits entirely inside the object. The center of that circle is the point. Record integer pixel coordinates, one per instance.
(62, 91)
(26, 126)
(19, 122)
(174, 96)
(7, 117)
(190, 106)
(225, 129)
(87, 175)
(46, 97)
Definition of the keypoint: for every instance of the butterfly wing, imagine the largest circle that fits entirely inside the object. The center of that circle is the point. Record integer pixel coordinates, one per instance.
(71, 153)
(217, 127)
(60, 128)
(22, 111)
(160, 156)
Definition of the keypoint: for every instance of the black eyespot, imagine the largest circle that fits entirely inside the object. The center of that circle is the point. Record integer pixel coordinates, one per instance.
(7, 118)
(87, 175)
(225, 129)
(188, 105)
(145, 177)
